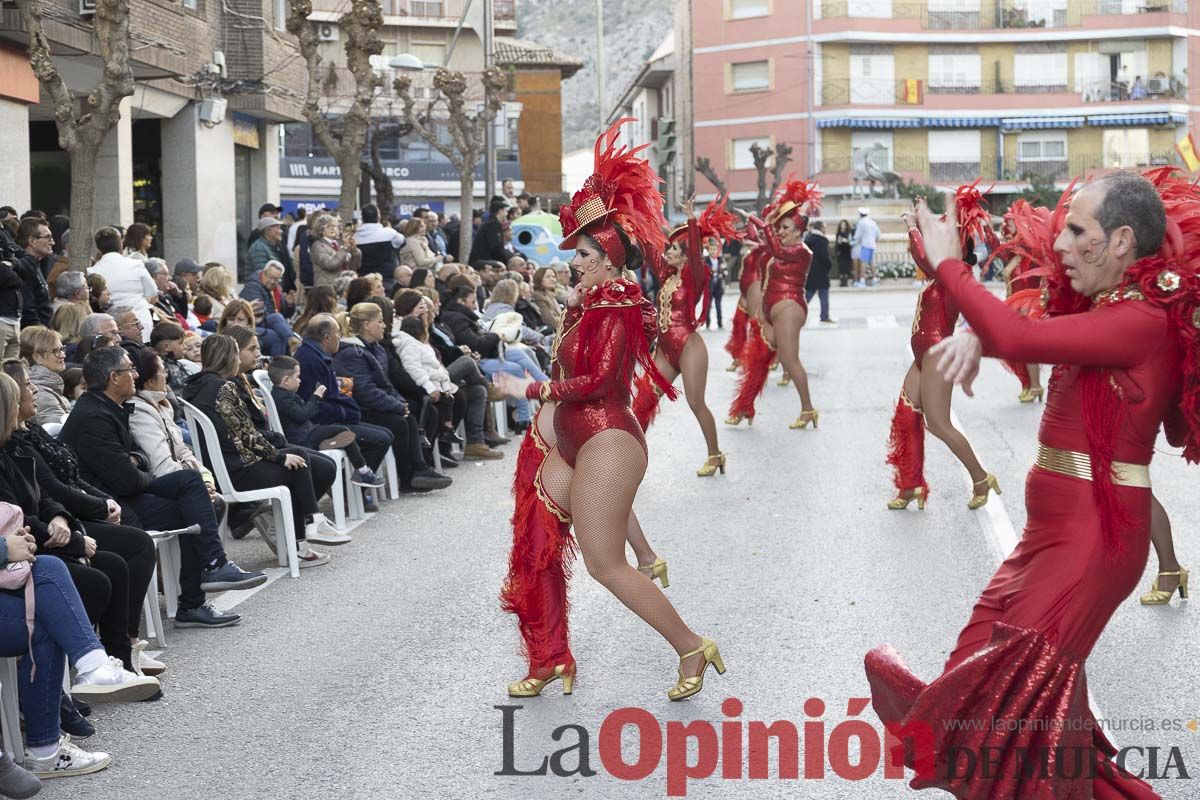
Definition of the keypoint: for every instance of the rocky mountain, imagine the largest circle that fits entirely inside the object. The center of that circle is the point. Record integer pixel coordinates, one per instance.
(633, 29)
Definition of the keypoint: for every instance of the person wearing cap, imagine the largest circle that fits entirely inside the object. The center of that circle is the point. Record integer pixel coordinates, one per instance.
(866, 235)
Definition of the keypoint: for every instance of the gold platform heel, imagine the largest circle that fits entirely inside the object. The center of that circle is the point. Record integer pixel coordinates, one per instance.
(736, 419)
(784, 379)
(900, 502)
(1029, 395)
(711, 465)
(1158, 597)
(805, 418)
(733, 367)
(990, 484)
(532, 686)
(656, 572)
(686, 687)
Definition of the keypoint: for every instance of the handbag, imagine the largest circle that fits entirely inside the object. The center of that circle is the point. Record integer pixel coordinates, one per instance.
(17, 574)
(507, 325)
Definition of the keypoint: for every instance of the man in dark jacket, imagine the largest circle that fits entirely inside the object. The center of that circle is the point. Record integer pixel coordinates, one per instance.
(36, 305)
(818, 273)
(10, 307)
(489, 241)
(98, 431)
(379, 245)
(459, 315)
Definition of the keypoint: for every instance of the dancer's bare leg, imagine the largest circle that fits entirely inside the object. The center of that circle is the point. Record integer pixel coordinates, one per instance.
(1035, 375)
(1164, 545)
(788, 318)
(935, 402)
(693, 364)
(608, 472)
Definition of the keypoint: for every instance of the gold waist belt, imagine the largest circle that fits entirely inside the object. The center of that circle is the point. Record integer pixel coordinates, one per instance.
(1079, 465)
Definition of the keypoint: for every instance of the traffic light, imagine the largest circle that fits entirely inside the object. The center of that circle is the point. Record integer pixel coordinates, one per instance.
(667, 142)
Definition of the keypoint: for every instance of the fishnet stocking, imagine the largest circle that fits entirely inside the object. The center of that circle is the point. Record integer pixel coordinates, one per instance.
(598, 494)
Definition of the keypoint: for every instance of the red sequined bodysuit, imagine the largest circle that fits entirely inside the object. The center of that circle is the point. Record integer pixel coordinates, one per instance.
(1021, 655)
(596, 357)
(678, 296)
(785, 271)
(935, 319)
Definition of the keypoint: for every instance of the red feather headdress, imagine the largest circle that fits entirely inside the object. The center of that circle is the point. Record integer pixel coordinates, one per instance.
(623, 192)
(715, 222)
(791, 197)
(974, 219)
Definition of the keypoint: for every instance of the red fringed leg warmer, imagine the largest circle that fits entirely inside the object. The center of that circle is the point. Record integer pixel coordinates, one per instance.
(736, 345)
(1021, 371)
(539, 565)
(645, 400)
(756, 364)
(906, 446)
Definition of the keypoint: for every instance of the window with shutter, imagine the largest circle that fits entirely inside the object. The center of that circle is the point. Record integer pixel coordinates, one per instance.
(751, 76)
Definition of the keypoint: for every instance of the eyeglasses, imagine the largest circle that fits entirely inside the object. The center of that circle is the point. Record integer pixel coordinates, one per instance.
(58, 351)
(127, 369)
(43, 236)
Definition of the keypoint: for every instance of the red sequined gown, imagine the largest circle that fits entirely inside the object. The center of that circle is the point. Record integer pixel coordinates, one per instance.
(1021, 654)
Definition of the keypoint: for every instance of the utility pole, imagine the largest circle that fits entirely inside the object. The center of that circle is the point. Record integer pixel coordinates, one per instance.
(812, 92)
(489, 141)
(600, 62)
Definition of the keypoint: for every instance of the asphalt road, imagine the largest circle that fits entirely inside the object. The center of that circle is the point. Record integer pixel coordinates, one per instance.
(379, 675)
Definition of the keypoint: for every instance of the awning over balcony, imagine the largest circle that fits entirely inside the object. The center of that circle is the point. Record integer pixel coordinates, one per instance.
(1040, 123)
(918, 122)
(1138, 119)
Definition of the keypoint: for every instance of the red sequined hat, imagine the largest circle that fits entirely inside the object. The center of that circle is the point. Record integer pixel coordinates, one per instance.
(621, 192)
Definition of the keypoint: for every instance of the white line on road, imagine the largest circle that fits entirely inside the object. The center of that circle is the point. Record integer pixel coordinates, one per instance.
(882, 321)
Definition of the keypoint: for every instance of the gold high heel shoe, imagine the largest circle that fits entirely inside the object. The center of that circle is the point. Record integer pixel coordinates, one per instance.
(736, 419)
(711, 465)
(1158, 597)
(784, 379)
(900, 502)
(657, 572)
(532, 686)
(1029, 395)
(980, 500)
(686, 687)
(805, 418)
(733, 367)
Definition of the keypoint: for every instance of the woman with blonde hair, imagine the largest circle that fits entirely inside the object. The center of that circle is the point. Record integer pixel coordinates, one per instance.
(361, 357)
(217, 285)
(416, 252)
(68, 319)
(42, 349)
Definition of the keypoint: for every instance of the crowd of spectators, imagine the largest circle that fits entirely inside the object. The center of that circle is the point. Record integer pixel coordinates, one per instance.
(375, 340)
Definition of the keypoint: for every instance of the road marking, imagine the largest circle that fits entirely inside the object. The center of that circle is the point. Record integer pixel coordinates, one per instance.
(882, 321)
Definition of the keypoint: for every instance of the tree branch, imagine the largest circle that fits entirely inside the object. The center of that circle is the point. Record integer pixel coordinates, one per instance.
(705, 168)
(783, 157)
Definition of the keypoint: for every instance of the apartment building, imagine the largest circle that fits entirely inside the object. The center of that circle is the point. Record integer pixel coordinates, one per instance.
(942, 91)
(195, 151)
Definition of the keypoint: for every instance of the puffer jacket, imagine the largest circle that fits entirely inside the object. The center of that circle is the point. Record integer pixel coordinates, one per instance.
(422, 364)
(52, 405)
(366, 365)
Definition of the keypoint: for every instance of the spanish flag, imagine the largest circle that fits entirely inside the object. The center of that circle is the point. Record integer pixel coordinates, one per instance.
(1188, 152)
(912, 91)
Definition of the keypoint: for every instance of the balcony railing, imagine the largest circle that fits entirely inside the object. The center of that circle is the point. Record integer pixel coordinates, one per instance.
(442, 9)
(876, 91)
(991, 14)
(921, 169)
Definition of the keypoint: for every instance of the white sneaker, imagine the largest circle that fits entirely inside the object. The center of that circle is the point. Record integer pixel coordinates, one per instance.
(67, 762)
(322, 531)
(144, 664)
(113, 683)
(309, 557)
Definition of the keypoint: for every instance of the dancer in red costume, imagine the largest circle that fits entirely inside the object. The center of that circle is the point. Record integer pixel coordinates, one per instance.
(592, 472)
(680, 349)
(925, 396)
(784, 306)
(741, 318)
(1124, 330)
(1023, 282)
(756, 355)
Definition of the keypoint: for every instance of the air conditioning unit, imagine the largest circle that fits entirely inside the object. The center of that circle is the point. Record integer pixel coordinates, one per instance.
(326, 31)
(1158, 86)
(87, 8)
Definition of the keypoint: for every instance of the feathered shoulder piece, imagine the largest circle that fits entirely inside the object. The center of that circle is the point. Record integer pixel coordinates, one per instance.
(974, 219)
(622, 300)
(623, 190)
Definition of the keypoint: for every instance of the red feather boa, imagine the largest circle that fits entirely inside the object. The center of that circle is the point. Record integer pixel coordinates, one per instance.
(756, 365)
(737, 334)
(906, 447)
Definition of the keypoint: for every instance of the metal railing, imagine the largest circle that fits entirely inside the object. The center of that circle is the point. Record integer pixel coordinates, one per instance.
(1011, 170)
(442, 9)
(991, 14)
(876, 91)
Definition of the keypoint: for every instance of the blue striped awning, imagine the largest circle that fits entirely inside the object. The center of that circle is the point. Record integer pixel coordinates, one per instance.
(1040, 123)
(919, 122)
(1162, 118)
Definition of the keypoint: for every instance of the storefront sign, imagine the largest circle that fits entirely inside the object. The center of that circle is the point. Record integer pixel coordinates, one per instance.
(397, 171)
(245, 131)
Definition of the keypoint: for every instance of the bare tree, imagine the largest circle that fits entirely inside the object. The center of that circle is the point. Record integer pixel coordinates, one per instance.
(705, 168)
(385, 195)
(783, 157)
(761, 156)
(83, 124)
(466, 129)
(345, 139)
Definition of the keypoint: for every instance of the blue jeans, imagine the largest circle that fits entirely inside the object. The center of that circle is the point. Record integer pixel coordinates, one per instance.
(492, 366)
(274, 335)
(525, 359)
(60, 626)
(824, 295)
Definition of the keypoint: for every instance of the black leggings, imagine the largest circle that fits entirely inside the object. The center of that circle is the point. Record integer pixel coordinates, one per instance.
(104, 589)
(306, 485)
(136, 549)
(406, 442)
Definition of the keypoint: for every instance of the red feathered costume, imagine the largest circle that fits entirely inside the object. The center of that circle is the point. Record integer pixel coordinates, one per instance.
(783, 271)
(1127, 364)
(738, 334)
(1024, 225)
(601, 341)
(935, 320)
(681, 291)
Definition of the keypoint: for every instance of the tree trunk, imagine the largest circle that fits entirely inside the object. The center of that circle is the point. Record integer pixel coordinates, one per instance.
(466, 202)
(83, 203)
(348, 197)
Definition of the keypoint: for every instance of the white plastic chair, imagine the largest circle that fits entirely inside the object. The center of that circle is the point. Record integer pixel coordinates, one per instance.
(53, 428)
(10, 709)
(280, 497)
(344, 495)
